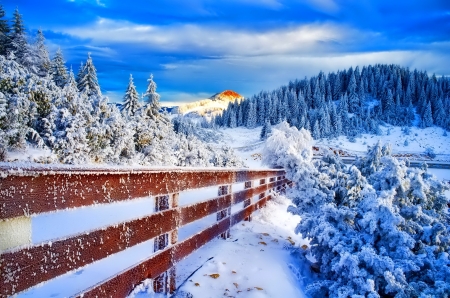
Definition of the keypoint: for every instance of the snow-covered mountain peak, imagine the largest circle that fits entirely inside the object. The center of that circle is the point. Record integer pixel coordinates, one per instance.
(227, 95)
(209, 107)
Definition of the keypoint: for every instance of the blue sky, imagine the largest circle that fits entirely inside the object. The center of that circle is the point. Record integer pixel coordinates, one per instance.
(196, 48)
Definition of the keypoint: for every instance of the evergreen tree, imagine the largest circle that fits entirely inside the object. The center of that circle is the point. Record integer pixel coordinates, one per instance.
(43, 64)
(232, 121)
(87, 79)
(337, 87)
(251, 117)
(261, 109)
(73, 101)
(353, 99)
(389, 107)
(153, 105)
(439, 116)
(335, 119)
(266, 131)
(80, 73)
(19, 45)
(427, 119)
(130, 100)
(4, 33)
(316, 130)
(58, 69)
(240, 117)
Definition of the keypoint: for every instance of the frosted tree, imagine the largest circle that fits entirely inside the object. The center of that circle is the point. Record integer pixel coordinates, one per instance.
(70, 138)
(265, 131)
(316, 132)
(251, 116)
(58, 69)
(336, 88)
(389, 107)
(80, 73)
(240, 116)
(72, 100)
(335, 120)
(4, 33)
(43, 64)
(353, 99)
(153, 106)
(232, 120)
(427, 119)
(19, 45)
(131, 99)
(87, 79)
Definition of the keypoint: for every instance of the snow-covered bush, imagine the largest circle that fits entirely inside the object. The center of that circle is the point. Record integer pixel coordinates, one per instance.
(377, 228)
(430, 152)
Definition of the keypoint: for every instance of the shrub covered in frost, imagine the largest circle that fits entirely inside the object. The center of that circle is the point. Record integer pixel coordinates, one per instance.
(430, 152)
(377, 228)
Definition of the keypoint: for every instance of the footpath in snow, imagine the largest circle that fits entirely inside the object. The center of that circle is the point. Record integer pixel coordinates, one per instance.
(256, 261)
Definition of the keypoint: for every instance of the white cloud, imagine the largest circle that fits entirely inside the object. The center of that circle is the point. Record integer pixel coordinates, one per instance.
(212, 41)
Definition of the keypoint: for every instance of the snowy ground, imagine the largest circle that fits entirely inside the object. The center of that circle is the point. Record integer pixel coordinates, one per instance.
(255, 262)
(417, 141)
(246, 141)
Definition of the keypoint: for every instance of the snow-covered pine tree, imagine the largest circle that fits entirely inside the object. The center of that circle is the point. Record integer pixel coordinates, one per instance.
(87, 79)
(337, 87)
(427, 119)
(152, 107)
(261, 110)
(240, 116)
(80, 73)
(131, 99)
(58, 69)
(316, 130)
(353, 99)
(335, 121)
(233, 118)
(5, 42)
(43, 64)
(18, 42)
(265, 131)
(439, 115)
(251, 117)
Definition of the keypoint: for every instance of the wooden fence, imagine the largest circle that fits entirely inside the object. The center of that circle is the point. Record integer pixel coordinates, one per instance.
(27, 192)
